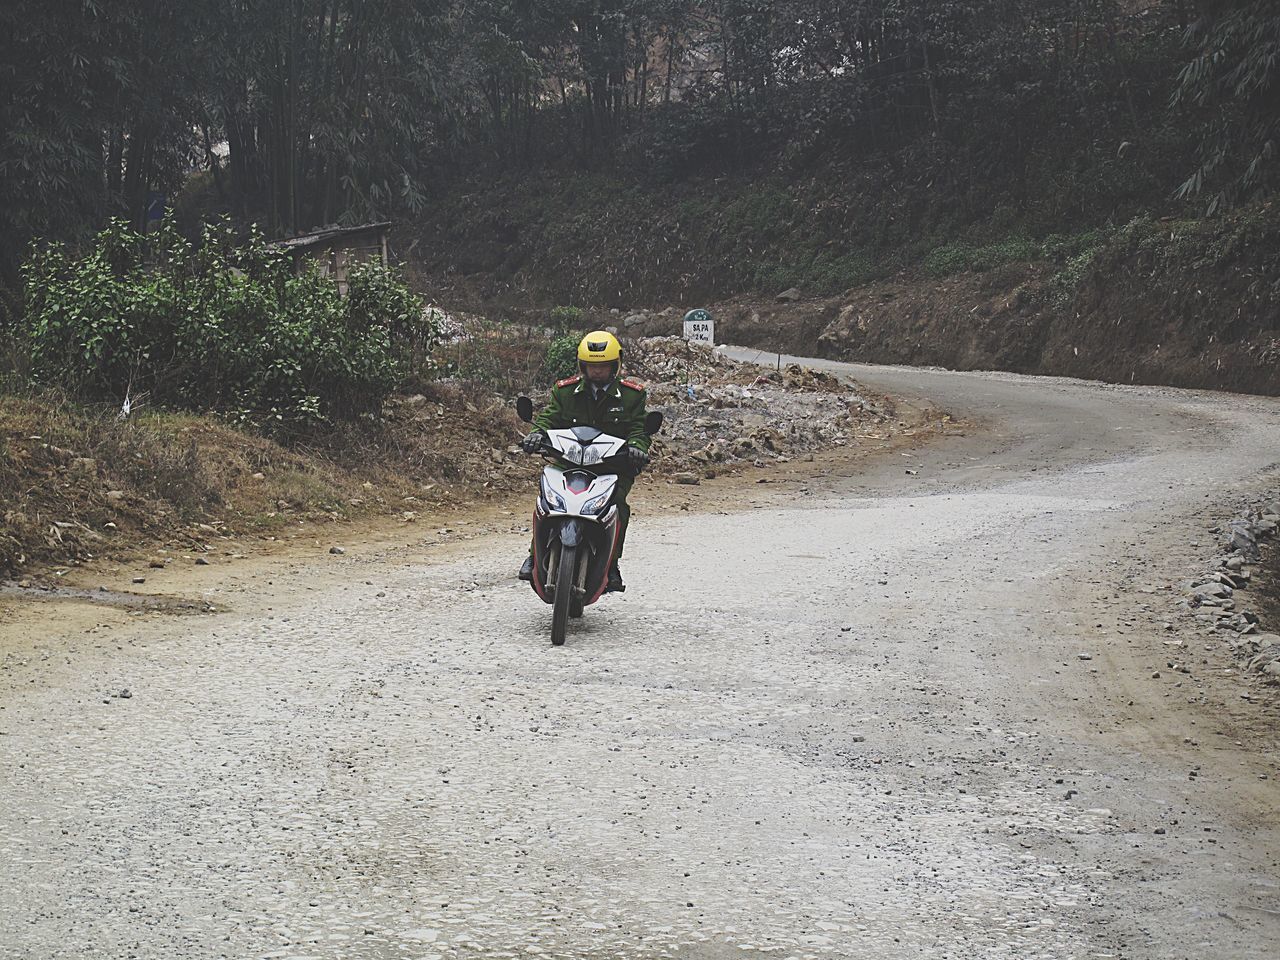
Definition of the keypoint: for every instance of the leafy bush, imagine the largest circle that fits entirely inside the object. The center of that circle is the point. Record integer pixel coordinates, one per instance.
(218, 326)
(566, 318)
(562, 357)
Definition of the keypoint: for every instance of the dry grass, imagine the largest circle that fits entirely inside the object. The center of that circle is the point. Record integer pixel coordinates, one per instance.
(77, 481)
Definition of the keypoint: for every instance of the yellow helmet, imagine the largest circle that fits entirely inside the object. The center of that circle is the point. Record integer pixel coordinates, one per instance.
(599, 346)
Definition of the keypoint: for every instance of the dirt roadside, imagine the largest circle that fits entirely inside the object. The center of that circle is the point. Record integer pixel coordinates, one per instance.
(106, 591)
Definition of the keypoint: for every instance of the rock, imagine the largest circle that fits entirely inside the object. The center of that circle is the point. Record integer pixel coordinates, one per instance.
(337, 551)
(689, 479)
(1243, 540)
(634, 319)
(1214, 577)
(156, 564)
(497, 456)
(139, 580)
(790, 295)
(115, 494)
(125, 694)
(201, 562)
(1211, 591)
(1265, 659)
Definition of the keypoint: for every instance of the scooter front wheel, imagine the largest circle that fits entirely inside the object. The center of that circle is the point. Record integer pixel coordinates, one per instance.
(566, 573)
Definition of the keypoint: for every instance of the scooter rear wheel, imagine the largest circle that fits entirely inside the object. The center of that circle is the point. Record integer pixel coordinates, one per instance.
(566, 573)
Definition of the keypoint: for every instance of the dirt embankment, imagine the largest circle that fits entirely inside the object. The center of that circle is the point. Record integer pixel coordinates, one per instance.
(79, 484)
(1189, 304)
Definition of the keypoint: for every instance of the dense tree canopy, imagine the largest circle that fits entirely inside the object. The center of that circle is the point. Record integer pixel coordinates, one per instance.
(301, 112)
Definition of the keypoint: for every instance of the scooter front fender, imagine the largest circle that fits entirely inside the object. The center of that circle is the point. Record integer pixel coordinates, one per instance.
(570, 531)
(549, 528)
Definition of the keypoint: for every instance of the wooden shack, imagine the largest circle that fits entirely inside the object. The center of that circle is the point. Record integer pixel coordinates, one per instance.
(335, 249)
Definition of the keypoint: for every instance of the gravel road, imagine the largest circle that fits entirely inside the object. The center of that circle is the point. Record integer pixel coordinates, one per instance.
(896, 714)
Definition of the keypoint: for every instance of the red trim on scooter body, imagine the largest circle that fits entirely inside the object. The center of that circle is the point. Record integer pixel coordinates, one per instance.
(539, 587)
(595, 589)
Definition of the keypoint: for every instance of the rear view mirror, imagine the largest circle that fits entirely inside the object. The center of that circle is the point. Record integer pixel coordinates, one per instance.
(652, 422)
(524, 409)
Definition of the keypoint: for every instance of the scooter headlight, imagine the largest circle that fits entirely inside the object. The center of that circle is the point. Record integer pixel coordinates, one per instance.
(595, 504)
(554, 500)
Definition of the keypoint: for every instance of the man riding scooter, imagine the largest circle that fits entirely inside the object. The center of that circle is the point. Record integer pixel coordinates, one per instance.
(598, 397)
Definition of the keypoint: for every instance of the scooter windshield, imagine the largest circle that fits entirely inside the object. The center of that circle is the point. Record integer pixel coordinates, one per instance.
(582, 452)
(585, 446)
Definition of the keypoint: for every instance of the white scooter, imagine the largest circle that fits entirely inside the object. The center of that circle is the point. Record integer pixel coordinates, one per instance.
(575, 523)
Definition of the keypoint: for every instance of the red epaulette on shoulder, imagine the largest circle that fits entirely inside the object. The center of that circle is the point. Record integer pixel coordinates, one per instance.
(569, 380)
(633, 384)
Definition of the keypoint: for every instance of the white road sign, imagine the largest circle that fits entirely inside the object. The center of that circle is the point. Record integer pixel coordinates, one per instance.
(700, 329)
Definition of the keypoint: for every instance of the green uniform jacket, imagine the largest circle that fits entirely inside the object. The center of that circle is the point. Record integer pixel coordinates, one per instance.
(619, 413)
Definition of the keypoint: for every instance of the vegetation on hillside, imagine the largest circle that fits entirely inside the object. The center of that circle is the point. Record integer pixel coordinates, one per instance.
(218, 325)
(305, 112)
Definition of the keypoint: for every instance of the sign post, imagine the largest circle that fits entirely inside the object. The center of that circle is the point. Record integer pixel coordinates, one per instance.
(699, 327)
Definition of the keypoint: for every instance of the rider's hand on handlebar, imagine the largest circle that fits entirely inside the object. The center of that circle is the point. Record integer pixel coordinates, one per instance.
(637, 458)
(533, 442)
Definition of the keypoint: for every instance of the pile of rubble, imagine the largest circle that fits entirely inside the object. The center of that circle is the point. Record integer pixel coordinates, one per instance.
(720, 412)
(1213, 594)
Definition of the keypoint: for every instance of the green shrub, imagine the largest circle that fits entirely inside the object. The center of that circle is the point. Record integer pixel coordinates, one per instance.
(562, 357)
(958, 256)
(219, 326)
(566, 318)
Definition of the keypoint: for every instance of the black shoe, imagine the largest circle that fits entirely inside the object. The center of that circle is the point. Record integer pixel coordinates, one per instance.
(526, 570)
(615, 581)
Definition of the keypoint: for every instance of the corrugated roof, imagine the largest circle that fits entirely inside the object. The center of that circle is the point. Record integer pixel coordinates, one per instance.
(304, 240)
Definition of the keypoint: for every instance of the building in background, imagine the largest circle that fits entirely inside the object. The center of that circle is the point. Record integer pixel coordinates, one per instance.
(336, 249)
